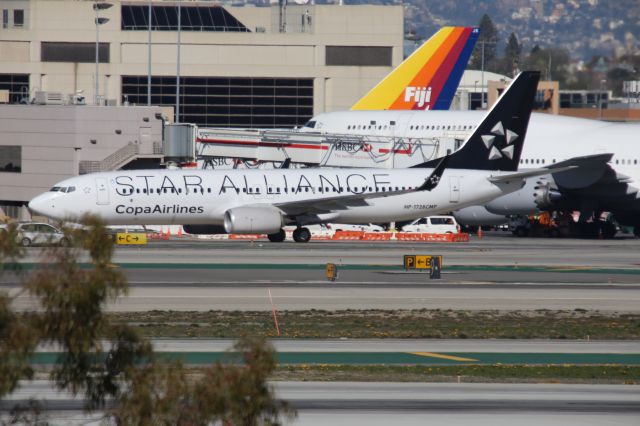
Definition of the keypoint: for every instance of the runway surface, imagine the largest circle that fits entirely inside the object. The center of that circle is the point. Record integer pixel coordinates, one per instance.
(493, 249)
(417, 403)
(497, 272)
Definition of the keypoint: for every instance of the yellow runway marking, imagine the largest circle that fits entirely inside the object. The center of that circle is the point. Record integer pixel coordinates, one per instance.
(443, 356)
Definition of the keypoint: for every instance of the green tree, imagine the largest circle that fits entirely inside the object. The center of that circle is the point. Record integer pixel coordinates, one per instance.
(512, 53)
(144, 389)
(488, 38)
(552, 62)
(616, 76)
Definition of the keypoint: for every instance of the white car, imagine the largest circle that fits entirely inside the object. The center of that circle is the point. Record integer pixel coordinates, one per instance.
(433, 225)
(34, 233)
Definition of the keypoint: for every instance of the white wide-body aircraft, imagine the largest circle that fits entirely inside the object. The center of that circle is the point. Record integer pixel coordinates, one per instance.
(550, 139)
(263, 201)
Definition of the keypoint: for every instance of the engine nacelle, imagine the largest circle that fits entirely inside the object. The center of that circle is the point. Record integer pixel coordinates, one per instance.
(253, 220)
(478, 216)
(204, 229)
(537, 194)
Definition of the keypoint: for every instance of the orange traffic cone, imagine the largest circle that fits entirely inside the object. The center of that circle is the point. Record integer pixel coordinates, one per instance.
(479, 231)
(179, 231)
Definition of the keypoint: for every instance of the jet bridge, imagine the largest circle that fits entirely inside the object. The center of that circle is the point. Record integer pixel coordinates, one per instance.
(217, 147)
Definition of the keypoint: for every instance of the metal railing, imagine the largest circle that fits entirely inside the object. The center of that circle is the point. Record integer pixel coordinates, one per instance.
(123, 155)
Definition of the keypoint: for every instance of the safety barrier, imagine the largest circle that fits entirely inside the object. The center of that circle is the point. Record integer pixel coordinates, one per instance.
(340, 236)
(377, 236)
(448, 238)
(348, 235)
(247, 236)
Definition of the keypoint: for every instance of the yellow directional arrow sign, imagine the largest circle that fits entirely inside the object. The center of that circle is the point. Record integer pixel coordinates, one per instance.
(130, 239)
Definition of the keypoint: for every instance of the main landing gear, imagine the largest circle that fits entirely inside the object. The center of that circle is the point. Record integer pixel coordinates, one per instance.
(301, 235)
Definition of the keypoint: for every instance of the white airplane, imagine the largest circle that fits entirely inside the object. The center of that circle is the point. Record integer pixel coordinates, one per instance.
(263, 201)
(550, 139)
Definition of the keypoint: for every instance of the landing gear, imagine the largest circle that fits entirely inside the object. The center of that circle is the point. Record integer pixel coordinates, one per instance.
(301, 235)
(277, 237)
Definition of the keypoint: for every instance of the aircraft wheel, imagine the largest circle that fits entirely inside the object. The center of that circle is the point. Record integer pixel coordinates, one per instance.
(301, 235)
(608, 230)
(277, 237)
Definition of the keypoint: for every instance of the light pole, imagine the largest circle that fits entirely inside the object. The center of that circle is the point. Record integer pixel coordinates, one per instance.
(98, 6)
(178, 63)
(149, 59)
(482, 43)
(475, 90)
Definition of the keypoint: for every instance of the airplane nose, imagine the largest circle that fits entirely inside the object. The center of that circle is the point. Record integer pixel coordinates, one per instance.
(41, 205)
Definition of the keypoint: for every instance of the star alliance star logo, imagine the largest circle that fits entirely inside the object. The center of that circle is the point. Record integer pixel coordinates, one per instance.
(434, 180)
(496, 153)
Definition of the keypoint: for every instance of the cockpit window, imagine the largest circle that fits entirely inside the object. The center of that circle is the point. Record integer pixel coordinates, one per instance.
(55, 189)
(70, 189)
(310, 124)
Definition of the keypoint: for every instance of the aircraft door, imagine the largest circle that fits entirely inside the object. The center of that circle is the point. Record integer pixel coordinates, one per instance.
(454, 189)
(102, 191)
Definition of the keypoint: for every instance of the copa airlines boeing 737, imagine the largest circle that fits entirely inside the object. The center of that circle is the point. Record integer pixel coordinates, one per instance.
(263, 201)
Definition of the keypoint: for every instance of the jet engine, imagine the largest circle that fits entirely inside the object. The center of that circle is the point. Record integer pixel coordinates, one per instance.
(478, 216)
(253, 220)
(536, 195)
(204, 229)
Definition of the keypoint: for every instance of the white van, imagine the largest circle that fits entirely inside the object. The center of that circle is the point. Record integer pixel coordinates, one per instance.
(433, 225)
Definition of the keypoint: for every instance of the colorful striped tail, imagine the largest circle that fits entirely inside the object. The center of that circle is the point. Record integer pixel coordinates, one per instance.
(427, 79)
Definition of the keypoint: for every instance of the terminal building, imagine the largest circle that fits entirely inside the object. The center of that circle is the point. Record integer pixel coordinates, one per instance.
(243, 67)
(239, 66)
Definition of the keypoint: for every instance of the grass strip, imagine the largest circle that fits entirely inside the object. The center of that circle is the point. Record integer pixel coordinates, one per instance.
(467, 373)
(359, 324)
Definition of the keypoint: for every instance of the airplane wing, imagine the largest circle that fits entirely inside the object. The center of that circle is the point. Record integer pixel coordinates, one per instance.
(344, 202)
(578, 164)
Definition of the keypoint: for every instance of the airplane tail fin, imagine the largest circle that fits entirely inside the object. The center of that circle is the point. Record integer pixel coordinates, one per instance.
(496, 143)
(427, 79)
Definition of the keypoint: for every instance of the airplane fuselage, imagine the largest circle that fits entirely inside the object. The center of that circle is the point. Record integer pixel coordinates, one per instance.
(203, 196)
(550, 138)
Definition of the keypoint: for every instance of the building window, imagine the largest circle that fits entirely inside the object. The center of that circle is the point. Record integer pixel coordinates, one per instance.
(5, 18)
(192, 18)
(73, 52)
(358, 56)
(11, 159)
(229, 102)
(18, 18)
(17, 85)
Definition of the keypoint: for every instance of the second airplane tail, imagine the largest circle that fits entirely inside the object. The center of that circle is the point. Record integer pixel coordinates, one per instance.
(427, 79)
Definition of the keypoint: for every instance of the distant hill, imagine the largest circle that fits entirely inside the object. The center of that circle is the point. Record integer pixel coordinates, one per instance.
(584, 27)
